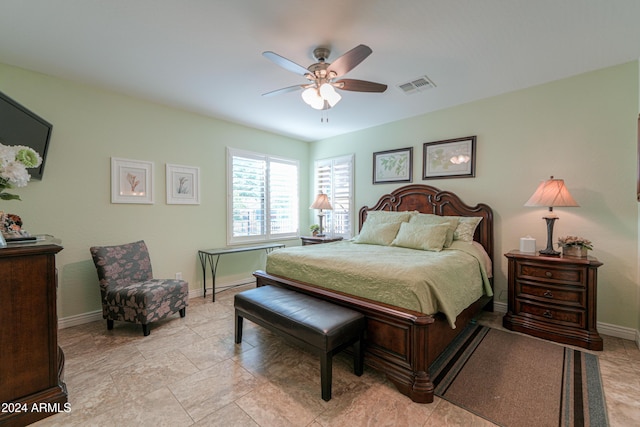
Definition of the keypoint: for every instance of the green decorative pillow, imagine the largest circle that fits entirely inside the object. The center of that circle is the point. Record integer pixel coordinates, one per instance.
(377, 234)
(378, 217)
(431, 219)
(421, 236)
(466, 228)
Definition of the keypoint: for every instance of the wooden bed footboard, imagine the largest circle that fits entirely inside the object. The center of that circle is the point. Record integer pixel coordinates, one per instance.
(400, 343)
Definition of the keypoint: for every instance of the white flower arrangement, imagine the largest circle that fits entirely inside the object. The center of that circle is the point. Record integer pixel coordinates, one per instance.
(14, 161)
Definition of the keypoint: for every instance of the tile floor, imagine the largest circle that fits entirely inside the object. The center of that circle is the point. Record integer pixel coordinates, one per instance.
(189, 372)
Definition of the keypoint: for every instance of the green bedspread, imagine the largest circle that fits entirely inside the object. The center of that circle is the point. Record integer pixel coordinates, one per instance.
(428, 282)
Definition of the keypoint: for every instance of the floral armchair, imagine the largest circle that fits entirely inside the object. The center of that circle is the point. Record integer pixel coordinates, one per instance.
(129, 291)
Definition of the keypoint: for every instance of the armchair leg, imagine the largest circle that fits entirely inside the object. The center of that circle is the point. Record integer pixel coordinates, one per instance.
(145, 330)
(183, 312)
(109, 324)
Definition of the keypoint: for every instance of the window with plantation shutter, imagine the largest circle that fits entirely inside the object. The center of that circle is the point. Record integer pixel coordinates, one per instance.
(262, 197)
(334, 177)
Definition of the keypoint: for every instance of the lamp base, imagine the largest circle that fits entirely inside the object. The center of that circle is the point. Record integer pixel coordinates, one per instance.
(549, 251)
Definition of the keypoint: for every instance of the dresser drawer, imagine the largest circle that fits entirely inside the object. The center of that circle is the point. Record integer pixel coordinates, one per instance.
(560, 315)
(575, 297)
(551, 273)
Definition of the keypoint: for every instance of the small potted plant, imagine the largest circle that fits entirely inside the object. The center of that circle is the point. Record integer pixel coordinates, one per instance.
(574, 246)
(315, 228)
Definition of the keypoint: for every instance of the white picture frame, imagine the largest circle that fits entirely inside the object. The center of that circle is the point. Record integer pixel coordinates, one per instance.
(183, 185)
(131, 181)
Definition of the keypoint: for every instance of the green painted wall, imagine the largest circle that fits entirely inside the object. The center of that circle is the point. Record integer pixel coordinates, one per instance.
(581, 129)
(72, 202)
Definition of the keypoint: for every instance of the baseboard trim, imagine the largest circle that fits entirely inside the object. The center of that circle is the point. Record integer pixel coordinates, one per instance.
(618, 331)
(500, 307)
(92, 316)
(194, 293)
(79, 319)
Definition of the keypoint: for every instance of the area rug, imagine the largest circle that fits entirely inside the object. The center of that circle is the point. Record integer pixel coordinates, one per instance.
(513, 380)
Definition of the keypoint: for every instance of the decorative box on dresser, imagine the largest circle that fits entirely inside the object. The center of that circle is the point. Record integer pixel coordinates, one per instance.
(31, 363)
(554, 298)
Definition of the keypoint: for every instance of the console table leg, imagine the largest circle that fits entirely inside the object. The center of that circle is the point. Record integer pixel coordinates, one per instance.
(214, 268)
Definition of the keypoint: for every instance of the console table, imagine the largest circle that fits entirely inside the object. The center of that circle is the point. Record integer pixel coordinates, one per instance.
(212, 256)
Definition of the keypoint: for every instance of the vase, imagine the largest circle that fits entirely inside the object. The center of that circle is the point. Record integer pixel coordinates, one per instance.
(574, 250)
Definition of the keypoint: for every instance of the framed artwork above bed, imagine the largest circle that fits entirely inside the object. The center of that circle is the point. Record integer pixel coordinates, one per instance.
(393, 166)
(450, 158)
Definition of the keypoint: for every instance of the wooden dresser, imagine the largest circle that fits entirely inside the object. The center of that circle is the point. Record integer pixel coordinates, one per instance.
(31, 363)
(554, 298)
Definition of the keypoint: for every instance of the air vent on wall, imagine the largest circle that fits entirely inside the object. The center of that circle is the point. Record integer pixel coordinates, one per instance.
(416, 85)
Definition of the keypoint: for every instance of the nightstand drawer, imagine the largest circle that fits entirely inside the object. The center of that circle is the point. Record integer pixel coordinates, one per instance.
(551, 273)
(562, 316)
(552, 294)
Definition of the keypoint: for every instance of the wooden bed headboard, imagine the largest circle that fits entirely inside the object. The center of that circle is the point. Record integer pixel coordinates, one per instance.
(427, 199)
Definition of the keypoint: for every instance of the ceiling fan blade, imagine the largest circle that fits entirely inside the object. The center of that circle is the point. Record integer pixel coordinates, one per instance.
(284, 90)
(285, 63)
(350, 60)
(360, 85)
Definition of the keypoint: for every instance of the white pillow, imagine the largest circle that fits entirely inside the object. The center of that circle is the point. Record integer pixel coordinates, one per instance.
(431, 219)
(377, 234)
(421, 236)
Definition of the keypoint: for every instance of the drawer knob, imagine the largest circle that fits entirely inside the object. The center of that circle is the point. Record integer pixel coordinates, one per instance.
(547, 314)
(548, 274)
(548, 294)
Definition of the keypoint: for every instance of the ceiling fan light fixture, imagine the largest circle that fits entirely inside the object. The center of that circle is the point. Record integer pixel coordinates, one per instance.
(312, 98)
(321, 93)
(328, 93)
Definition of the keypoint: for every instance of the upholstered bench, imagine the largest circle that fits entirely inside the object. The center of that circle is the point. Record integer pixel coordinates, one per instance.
(316, 325)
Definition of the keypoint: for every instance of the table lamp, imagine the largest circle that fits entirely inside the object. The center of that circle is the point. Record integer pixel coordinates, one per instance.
(551, 193)
(321, 202)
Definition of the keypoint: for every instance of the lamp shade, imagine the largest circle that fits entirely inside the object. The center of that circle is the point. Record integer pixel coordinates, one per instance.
(321, 202)
(551, 193)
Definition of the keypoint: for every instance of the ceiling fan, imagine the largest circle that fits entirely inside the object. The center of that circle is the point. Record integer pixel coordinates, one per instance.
(320, 93)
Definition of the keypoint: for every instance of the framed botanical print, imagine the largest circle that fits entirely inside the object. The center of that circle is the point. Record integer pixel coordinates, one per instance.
(393, 166)
(450, 158)
(183, 185)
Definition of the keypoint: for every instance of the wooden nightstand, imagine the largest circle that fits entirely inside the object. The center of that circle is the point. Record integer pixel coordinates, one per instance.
(554, 298)
(314, 240)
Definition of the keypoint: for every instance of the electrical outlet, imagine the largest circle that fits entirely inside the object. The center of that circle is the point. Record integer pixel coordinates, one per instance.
(179, 276)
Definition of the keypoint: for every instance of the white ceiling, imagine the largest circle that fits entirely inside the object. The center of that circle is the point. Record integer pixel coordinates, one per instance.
(205, 55)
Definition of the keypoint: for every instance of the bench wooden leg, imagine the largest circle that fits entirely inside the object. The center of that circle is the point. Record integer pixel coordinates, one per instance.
(326, 371)
(238, 329)
(358, 357)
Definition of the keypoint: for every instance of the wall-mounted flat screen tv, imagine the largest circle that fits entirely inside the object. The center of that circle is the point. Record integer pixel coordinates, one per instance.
(19, 126)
